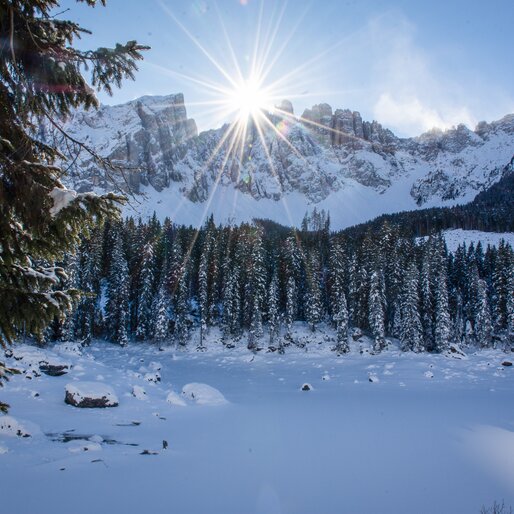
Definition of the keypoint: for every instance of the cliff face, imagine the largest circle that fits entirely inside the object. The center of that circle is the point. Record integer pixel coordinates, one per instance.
(145, 136)
(319, 158)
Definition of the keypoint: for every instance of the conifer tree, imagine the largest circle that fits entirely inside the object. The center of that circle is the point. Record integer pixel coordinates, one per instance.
(41, 81)
(427, 299)
(161, 318)
(411, 333)
(483, 322)
(442, 319)
(341, 319)
(376, 311)
(88, 310)
(313, 306)
(117, 307)
(442, 325)
(510, 301)
(255, 330)
(291, 305)
(255, 289)
(273, 312)
(182, 309)
(144, 308)
(203, 293)
(502, 269)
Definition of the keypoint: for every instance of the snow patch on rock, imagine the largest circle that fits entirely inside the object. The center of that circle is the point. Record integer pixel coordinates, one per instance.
(90, 394)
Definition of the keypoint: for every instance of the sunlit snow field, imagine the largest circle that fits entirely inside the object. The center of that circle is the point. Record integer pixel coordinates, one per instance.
(393, 433)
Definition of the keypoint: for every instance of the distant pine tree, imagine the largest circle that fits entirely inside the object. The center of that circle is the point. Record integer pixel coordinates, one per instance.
(273, 312)
(483, 323)
(376, 311)
(341, 320)
(161, 317)
(117, 307)
(146, 284)
(291, 305)
(313, 305)
(411, 333)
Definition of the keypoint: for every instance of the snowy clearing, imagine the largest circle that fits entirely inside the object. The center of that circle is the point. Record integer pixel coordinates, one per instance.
(391, 433)
(456, 237)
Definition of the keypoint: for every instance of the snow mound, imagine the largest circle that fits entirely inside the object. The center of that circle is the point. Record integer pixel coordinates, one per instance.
(11, 427)
(373, 378)
(90, 395)
(139, 393)
(203, 394)
(174, 399)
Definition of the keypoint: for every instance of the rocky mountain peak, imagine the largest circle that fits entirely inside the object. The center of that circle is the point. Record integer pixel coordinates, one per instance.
(285, 106)
(331, 158)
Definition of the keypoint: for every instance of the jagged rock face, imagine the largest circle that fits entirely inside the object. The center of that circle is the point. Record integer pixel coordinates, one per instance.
(286, 106)
(319, 156)
(145, 136)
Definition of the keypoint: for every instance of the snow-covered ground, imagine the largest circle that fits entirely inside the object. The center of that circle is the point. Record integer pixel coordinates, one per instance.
(392, 433)
(456, 237)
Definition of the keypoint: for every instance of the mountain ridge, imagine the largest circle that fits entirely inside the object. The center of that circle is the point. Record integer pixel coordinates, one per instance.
(332, 160)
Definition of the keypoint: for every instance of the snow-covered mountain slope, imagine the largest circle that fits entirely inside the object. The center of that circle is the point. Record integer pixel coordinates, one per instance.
(455, 238)
(324, 159)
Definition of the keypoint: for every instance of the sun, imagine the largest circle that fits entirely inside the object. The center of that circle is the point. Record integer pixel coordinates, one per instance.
(248, 99)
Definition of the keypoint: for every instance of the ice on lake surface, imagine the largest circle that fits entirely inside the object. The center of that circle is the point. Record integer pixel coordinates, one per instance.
(427, 434)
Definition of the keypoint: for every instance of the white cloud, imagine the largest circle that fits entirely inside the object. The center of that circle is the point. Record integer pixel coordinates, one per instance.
(412, 94)
(411, 116)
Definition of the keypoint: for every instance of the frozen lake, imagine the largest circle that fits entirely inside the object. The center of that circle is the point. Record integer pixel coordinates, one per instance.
(427, 434)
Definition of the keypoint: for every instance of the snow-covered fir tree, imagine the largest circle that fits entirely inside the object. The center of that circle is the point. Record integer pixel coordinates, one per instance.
(483, 323)
(291, 305)
(161, 316)
(274, 313)
(376, 311)
(117, 307)
(313, 305)
(341, 319)
(411, 329)
(146, 282)
(203, 304)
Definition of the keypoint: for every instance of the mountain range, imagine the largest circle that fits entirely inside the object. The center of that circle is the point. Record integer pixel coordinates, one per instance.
(324, 159)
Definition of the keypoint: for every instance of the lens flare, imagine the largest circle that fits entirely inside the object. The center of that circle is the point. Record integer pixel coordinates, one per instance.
(248, 99)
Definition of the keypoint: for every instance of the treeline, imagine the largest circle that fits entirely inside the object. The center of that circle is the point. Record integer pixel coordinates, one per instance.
(153, 281)
(492, 210)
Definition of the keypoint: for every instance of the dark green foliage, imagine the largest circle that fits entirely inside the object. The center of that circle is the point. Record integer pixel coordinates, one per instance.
(242, 279)
(41, 80)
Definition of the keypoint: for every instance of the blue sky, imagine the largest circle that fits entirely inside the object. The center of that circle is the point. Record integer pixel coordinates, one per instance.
(409, 64)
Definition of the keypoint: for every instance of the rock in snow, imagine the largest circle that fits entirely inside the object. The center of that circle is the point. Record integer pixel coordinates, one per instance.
(90, 395)
(53, 370)
(203, 394)
(306, 387)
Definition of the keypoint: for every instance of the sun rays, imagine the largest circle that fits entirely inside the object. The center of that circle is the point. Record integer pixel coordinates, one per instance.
(244, 88)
